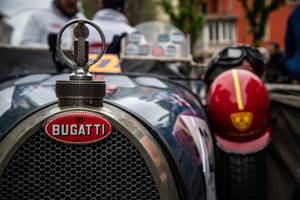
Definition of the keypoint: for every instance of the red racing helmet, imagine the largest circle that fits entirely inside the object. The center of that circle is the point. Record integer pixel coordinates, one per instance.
(239, 111)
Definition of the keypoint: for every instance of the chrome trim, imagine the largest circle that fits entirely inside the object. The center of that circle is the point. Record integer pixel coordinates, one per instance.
(128, 125)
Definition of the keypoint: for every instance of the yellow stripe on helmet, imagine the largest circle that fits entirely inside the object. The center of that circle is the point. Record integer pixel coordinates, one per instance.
(237, 90)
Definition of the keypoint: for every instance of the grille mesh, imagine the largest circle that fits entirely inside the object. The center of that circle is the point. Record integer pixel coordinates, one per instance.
(43, 168)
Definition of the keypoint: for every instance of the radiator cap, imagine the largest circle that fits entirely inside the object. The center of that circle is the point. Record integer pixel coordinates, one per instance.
(80, 89)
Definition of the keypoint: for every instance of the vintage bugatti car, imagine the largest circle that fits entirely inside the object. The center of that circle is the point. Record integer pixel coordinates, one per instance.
(102, 135)
(147, 139)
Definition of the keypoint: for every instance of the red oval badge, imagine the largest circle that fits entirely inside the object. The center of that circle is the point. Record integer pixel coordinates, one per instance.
(78, 127)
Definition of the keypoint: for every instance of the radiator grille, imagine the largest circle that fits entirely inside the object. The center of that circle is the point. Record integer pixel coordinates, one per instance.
(43, 168)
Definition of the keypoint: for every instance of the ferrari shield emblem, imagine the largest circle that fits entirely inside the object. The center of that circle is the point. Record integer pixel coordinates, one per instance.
(242, 120)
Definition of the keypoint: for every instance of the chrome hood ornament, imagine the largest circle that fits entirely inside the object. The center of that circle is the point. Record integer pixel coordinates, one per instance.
(80, 89)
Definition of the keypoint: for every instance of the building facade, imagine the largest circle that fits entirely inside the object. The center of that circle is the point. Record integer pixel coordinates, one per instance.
(226, 24)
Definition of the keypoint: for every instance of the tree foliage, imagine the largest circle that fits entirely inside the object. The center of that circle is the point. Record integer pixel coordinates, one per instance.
(136, 11)
(257, 15)
(186, 16)
(90, 7)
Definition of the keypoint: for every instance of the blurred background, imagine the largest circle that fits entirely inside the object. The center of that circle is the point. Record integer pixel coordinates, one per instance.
(213, 24)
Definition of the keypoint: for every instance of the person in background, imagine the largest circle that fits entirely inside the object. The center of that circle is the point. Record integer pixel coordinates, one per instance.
(292, 44)
(45, 22)
(276, 71)
(114, 24)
